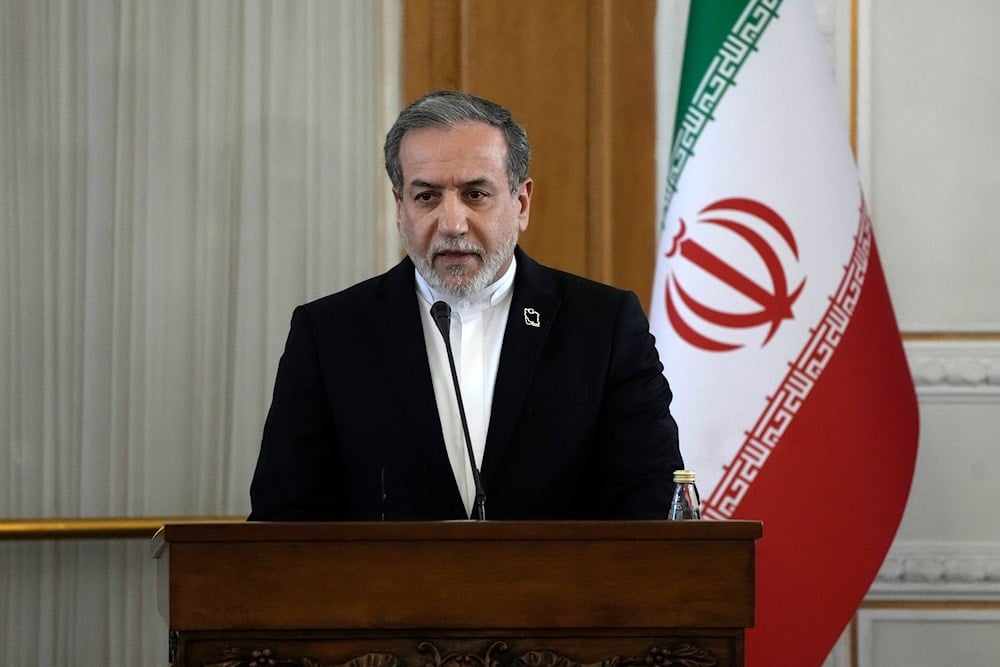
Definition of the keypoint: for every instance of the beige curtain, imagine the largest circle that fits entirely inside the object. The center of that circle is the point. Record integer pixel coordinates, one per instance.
(174, 178)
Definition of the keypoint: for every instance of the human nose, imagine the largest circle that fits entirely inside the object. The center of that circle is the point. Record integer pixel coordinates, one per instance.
(452, 218)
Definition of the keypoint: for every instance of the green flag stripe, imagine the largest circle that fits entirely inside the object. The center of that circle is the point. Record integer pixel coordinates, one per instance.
(721, 35)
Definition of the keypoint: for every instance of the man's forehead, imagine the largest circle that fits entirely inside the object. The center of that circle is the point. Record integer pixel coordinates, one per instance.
(465, 138)
(464, 154)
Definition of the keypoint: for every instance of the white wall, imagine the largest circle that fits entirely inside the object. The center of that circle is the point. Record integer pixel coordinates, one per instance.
(929, 137)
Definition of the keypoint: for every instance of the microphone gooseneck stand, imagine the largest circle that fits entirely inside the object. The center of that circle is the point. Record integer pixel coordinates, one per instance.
(441, 313)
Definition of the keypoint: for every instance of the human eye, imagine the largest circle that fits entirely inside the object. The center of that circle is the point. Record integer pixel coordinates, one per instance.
(476, 196)
(425, 197)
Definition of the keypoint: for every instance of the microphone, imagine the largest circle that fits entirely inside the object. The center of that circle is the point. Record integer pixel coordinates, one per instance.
(441, 312)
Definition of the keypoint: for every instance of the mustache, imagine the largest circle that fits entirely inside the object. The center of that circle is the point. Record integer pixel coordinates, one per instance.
(456, 245)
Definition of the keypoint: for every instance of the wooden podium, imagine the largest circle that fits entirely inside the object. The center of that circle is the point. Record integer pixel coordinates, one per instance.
(458, 594)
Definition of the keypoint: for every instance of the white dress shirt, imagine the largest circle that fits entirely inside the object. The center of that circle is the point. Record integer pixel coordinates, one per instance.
(477, 327)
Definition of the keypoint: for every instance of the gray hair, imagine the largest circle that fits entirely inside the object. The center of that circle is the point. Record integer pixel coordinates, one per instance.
(447, 109)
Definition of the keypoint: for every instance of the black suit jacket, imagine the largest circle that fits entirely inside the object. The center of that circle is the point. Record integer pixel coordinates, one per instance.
(580, 426)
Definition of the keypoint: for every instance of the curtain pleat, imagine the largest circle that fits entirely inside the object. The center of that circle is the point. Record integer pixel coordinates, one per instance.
(174, 178)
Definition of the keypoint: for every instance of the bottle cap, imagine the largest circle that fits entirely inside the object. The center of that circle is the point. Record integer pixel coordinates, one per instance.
(684, 477)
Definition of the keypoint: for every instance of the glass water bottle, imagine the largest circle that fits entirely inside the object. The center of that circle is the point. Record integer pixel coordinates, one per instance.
(686, 503)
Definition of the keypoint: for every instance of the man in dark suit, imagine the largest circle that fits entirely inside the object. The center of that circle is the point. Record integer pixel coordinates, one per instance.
(566, 410)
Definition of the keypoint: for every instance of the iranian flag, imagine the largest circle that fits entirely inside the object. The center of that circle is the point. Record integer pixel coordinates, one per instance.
(792, 392)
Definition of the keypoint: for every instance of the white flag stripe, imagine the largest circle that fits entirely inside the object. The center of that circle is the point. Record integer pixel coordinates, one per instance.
(760, 147)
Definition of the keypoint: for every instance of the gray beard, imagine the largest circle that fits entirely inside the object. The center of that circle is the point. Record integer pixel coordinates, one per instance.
(459, 282)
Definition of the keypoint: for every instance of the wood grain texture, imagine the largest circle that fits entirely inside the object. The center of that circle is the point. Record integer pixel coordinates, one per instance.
(591, 590)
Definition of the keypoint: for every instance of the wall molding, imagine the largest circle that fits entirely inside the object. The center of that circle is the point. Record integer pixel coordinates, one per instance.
(955, 369)
(936, 636)
(936, 570)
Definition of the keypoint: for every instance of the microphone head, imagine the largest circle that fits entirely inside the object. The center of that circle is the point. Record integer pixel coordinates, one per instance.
(441, 312)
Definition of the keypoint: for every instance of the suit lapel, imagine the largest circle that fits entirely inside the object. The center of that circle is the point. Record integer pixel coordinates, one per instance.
(396, 320)
(532, 311)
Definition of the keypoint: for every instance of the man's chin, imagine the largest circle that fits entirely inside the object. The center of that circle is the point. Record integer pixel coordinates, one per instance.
(455, 287)
(467, 264)
(457, 284)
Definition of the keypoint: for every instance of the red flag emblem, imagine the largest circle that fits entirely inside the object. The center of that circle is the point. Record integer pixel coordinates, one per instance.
(770, 303)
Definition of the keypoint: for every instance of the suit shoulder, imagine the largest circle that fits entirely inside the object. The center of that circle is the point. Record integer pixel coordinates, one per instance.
(574, 287)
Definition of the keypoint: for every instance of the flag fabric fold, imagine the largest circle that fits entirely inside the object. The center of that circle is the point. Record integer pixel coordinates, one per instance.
(792, 391)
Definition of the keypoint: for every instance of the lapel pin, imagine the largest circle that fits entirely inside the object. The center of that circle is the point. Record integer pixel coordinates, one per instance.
(532, 318)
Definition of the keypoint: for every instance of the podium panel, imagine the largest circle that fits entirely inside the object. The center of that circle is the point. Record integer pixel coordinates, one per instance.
(461, 594)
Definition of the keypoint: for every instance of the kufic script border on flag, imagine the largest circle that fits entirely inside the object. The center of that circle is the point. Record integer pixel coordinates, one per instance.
(720, 76)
